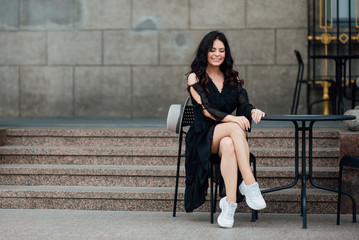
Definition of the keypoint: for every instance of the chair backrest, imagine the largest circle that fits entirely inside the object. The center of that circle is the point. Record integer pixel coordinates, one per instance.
(299, 57)
(298, 83)
(179, 116)
(187, 116)
(173, 116)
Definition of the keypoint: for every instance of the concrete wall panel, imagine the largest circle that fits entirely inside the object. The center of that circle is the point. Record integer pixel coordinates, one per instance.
(105, 14)
(9, 14)
(289, 40)
(67, 48)
(252, 46)
(179, 47)
(22, 48)
(9, 92)
(276, 13)
(129, 47)
(271, 88)
(156, 88)
(160, 14)
(103, 92)
(46, 92)
(44, 14)
(241, 72)
(213, 14)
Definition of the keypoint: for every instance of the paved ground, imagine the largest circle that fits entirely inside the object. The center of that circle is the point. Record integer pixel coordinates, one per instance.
(74, 225)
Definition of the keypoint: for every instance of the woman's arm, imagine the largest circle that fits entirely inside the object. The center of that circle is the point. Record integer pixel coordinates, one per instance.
(245, 108)
(199, 95)
(191, 81)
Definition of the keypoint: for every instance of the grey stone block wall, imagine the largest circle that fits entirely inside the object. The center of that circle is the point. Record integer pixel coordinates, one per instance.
(128, 58)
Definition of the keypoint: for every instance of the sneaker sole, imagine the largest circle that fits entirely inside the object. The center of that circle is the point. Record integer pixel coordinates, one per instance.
(223, 226)
(219, 221)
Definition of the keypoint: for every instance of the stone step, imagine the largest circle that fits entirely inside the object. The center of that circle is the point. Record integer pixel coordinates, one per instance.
(289, 201)
(153, 137)
(109, 168)
(284, 138)
(270, 177)
(140, 176)
(121, 137)
(268, 161)
(88, 151)
(88, 155)
(284, 157)
(112, 155)
(89, 175)
(145, 199)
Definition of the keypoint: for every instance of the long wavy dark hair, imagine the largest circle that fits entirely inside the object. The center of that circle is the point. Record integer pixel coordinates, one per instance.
(200, 62)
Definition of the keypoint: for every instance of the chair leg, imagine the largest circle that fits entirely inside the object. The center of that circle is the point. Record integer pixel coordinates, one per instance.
(253, 161)
(212, 204)
(354, 211)
(254, 216)
(339, 193)
(216, 187)
(176, 188)
(177, 173)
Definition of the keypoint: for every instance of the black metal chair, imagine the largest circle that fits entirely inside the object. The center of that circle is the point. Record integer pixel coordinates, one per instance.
(185, 119)
(298, 85)
(349, 161)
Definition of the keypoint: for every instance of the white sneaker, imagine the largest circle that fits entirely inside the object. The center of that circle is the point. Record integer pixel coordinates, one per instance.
(253, 196)
(226, 218)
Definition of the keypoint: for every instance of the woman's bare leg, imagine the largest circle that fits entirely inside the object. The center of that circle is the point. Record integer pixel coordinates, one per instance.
(249, 188)
(241, 148)
(228, 167)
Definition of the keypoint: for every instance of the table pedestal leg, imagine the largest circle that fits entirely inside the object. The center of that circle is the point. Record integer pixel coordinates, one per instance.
(304, 193)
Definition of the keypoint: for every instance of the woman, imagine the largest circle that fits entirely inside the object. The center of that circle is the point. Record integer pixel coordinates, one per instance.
(216, 135)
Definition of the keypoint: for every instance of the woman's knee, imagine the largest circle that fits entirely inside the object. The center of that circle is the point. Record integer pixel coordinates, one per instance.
(237, 130)
(226, 145)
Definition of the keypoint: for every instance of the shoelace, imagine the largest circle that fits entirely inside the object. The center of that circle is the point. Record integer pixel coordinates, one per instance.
(255, 192)
(230, 209)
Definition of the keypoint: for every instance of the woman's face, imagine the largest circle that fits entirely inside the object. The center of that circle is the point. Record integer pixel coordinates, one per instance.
(216, 54)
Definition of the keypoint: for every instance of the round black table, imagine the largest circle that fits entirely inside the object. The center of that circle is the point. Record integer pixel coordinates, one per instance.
(340, 63)
(303, 124)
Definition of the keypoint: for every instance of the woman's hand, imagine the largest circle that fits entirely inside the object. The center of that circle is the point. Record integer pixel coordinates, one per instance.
(257, 115)
(240, 120)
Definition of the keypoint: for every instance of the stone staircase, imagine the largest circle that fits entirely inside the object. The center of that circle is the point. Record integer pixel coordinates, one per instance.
(107, 168)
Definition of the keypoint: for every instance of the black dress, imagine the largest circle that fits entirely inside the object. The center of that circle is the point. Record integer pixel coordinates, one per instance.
(200, 135)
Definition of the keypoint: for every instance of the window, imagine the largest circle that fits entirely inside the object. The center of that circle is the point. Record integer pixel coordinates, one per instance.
(345, 6)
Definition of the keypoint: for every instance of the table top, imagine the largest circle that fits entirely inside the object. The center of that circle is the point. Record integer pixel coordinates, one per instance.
(308, 117)
(335, 56)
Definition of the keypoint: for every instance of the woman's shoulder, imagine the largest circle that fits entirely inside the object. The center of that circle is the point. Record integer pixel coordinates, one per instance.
(192, 79)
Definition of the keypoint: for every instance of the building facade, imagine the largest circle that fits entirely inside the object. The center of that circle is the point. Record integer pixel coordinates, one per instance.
(128, 58)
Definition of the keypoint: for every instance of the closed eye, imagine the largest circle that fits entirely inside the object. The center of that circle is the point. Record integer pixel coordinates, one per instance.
(213, 50)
